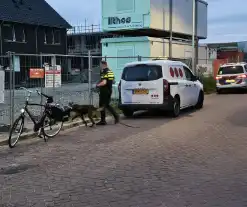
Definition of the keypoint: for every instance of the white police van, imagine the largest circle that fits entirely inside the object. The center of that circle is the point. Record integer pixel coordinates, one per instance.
(159, 84)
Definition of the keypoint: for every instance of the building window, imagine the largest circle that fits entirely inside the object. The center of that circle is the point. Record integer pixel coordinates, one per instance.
(24, 36)
(45, 37)
(13, 33)
(52, 36)
(56, 37)
(48, 36)
(19, 34)
(9, 32)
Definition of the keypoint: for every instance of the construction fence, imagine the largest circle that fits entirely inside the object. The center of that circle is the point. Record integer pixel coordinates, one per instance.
(68, 78)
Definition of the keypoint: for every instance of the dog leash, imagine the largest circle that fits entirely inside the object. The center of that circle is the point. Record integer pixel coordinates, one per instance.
(130, 126)
(96, 90)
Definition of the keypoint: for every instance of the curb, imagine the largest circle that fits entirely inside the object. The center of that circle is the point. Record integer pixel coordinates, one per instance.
(210, 94)
(31, 135)
(67, 125)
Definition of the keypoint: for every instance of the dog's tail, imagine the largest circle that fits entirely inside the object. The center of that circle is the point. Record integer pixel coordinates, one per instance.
(100, 109)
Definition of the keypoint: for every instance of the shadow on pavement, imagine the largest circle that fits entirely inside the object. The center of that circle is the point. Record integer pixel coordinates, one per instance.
(233, 91)
(160, 114)
(145, 121)
(110, 133)
(238, 118)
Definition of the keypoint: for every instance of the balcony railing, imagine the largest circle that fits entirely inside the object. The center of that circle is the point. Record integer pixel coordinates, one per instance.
(78, 49)
(84, 29)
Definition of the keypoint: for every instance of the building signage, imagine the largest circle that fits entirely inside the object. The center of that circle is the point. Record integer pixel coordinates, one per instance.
(36, 73)
(53, 76)
(122, 22)
(117, 20)
(16, 63)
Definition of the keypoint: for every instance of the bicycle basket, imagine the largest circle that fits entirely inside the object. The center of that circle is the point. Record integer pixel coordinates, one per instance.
(57, 113)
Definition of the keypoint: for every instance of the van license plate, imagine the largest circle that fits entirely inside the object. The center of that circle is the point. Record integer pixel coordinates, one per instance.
(230, 81)
(140, 91)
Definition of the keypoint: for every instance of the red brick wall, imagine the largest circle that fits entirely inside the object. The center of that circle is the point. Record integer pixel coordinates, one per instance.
(232, 56)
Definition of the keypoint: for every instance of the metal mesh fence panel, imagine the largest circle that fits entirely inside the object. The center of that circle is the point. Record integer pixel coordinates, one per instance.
(5, 93)
(64, 77)
(116, 64)
(22, 67)
(74, 79)
(68, 78)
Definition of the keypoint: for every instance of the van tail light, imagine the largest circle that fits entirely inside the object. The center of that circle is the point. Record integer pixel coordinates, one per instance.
(242, 76)
(119, 87)
(119, 92)
(166, 86)
(218, 77)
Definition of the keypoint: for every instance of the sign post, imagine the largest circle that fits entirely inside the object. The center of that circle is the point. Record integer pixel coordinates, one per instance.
(37, 73)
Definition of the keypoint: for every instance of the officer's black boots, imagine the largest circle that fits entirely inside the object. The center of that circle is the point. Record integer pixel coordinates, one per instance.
(103, 116)
(114, 113)
(117, 120)
(101, 123)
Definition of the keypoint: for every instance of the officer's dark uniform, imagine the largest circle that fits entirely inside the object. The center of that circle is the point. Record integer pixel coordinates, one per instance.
(105, 94)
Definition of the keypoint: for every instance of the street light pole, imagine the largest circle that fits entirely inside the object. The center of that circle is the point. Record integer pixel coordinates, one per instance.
(193, 35)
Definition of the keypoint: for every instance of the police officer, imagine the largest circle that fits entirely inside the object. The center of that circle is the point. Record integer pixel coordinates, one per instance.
(105, 87)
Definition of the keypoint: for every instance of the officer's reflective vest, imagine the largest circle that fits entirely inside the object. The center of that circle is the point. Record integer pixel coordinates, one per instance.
(109, 75)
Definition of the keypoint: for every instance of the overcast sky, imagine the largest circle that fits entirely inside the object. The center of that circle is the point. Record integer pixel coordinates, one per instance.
(227, 20)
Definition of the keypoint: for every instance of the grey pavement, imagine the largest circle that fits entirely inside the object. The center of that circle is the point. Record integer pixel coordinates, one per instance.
(196, 160)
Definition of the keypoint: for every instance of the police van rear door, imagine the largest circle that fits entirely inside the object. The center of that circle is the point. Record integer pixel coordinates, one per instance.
(142, 84)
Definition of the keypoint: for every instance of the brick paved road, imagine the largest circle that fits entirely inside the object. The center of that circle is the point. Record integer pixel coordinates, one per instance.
(197, 160)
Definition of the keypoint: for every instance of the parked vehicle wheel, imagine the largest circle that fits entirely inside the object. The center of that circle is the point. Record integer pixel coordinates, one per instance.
(200, 100)
(175, 107)
(218, 91)
(127, 113)
(16, 128)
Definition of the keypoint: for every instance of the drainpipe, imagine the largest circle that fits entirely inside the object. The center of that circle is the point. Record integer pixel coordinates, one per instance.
(66, 42)
(170, 23)
(1, 38)
(37, 52)
(196, 34)
(66, 51)
(36, 38)
(164, 30)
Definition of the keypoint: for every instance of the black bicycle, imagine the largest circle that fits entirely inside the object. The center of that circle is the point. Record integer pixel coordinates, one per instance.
(52, 115)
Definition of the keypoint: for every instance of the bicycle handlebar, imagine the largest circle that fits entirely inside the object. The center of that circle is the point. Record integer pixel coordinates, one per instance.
(26, 90)
(42, 94)
(37, 91)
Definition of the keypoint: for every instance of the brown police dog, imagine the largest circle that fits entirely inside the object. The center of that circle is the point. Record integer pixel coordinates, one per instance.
(79, 111)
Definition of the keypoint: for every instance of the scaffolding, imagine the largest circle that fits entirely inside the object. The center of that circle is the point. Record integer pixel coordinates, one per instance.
(86, 37)
(83, 29)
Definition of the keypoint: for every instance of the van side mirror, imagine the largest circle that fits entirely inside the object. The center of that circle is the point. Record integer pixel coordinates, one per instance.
(194, 78)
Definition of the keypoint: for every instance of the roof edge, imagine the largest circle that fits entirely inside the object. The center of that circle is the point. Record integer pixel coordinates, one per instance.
(202, 1)
(68, 25)
(42, 25)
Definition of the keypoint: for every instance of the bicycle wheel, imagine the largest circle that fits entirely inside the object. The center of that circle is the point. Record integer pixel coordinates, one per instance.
(51, 127)
(13, 139)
